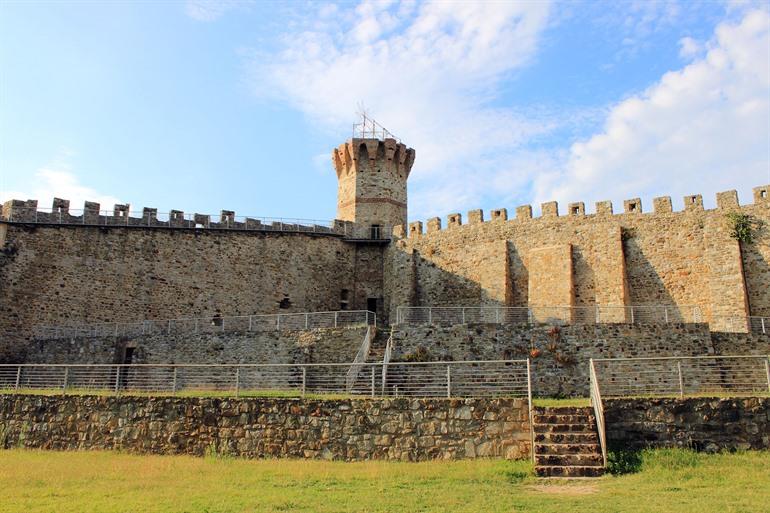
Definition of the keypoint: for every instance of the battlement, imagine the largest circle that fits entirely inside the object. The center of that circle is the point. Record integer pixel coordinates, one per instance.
(726, 201)
(121, 215)
(373, 154)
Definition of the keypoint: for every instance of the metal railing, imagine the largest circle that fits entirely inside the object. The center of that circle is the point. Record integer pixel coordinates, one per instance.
(369, 128)
(598, 406)
(751, 324)
(359, 360)
(682, 376)
(213, 324)
(149, 217)
(498, 378)
(644, 314)
(387, 355)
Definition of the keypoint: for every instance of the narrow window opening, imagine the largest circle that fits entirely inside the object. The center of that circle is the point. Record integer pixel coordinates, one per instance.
(344, 299)
(763, 194)
(575, 210)
(375, 231)
(285, 303)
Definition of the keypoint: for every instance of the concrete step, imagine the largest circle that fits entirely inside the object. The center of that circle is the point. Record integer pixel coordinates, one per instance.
(572, 471)
(567, 438)
(564, 428)
(563, 419)
(546, 448)
(563, 410)
(569, 460)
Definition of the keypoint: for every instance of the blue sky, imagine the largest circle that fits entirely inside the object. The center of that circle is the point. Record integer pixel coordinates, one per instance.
(210, 105)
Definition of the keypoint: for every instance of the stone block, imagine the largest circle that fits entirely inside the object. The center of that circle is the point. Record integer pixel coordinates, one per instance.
(227, 217)
(454, 220)
(201, 220)
(149, 216)
(632, 206)
(475, 216)
(762, 195)
(727, 199)
(415, 230)
(603, 208)
(693, 202)
(524, 212)
(434, 224)
(550, 209)
(500, 214)
(577, 209)
(662, 205)
(62, 206)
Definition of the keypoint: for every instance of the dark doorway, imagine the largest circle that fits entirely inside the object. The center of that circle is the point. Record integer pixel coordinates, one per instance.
(371, 304)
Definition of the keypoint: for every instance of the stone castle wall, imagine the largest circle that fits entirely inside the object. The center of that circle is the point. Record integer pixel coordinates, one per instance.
(383, 429)
(58, 275)
(706, 423)
(664, 258)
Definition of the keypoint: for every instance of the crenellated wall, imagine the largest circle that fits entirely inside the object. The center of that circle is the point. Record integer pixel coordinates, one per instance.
(68, 274)
(679, 258)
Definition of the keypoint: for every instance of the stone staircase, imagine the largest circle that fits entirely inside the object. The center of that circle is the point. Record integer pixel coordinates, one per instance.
(363, 384)
(566, 442)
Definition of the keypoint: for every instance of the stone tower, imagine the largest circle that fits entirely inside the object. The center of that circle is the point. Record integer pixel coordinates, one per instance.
(372, 176)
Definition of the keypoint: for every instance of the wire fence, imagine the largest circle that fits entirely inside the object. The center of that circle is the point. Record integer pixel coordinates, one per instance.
(492, 378)
(561, 315)
(214, 324)
(683, 376)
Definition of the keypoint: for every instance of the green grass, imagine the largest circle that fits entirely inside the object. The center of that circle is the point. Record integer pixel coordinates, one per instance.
(672, 481)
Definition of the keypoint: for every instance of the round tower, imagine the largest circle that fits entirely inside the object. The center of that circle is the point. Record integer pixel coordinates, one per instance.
(371, 190)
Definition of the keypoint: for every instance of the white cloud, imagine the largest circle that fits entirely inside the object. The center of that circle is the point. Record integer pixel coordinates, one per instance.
(428, 72)
(56, 180)
(689, 48)
(702, 129)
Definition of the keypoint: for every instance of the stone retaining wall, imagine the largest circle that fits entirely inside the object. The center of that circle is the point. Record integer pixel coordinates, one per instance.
(701, 423)
(386, 429)
(321, 345)
(561, 367)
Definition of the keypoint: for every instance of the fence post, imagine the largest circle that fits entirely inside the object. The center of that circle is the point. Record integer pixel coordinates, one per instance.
(448, 381)
(767, 371)
(66, 378)
(223, 324)
(529, 407)
(250, 318)
(497, 316)
(335, 319)
(632, 314)
(18, 378)
(306, 320)
(463, 312)
(681, 381)
(304, 380)
(278, 322)
(173, 383)
(762, 320)
(430, 315)
(237, 381)
(372, 380)
(665, 312)
(117, 378)
(168, 329)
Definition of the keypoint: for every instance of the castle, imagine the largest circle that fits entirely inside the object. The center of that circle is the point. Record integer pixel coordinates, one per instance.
(494, 311)
(62, 267)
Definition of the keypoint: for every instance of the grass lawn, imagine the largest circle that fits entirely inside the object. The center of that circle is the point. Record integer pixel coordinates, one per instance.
(668, 481)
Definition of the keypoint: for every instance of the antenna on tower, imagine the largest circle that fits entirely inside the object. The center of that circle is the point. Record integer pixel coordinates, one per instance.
(368, 128)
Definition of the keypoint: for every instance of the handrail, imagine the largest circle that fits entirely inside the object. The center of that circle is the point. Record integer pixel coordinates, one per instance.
(214, 323)
(386, 360)
(530, 408)
(596, 402)
(558, 314)
(359, 360)
(481, 378)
